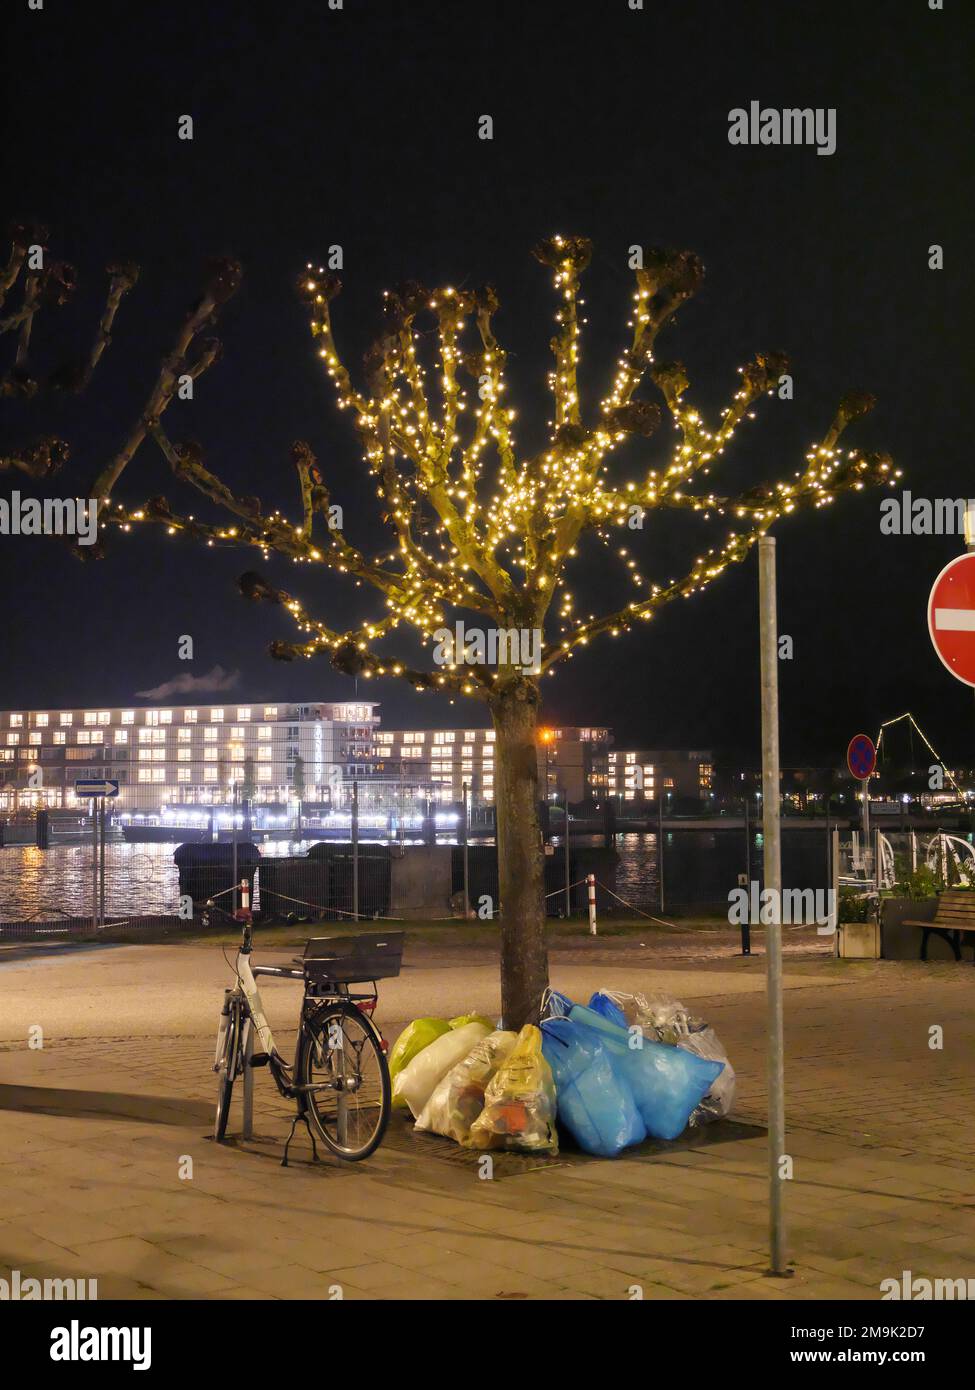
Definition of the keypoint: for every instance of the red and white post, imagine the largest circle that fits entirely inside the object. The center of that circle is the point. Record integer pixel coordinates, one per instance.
(591, 891)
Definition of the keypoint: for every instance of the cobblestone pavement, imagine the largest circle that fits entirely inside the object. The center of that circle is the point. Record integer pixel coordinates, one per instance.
(96, 1132)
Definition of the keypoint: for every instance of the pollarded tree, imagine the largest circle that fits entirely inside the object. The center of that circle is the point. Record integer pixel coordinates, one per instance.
(497, 541)
(43, 284)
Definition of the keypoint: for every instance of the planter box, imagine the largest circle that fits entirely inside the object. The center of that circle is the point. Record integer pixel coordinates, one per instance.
(904, 943)
(858, 941)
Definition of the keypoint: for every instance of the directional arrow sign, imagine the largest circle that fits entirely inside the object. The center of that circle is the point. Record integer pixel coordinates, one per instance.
(93, 786)
(951, 617)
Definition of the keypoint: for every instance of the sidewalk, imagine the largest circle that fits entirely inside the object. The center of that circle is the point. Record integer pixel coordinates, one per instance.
(95, 1133)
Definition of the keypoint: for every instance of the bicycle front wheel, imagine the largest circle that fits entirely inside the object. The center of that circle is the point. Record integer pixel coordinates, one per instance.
(342, 1064)
(227, 1068)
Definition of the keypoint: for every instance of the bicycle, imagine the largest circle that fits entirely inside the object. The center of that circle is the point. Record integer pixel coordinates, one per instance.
(339, 1078)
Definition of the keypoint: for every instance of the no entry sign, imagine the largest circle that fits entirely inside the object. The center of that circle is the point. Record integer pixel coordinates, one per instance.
(951, 617)
(861, 756)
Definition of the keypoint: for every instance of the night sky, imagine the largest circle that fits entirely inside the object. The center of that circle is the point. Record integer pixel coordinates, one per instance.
(359, 127)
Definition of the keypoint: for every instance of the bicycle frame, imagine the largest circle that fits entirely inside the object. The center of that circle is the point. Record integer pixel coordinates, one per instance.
(255, 1017)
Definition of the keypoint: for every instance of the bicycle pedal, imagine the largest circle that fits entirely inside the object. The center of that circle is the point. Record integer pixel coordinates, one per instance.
(260, 1059)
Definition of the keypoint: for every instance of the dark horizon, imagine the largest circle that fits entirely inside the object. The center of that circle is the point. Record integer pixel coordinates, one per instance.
(357, 127)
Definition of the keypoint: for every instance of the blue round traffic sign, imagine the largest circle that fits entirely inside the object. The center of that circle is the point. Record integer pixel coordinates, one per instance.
(861, 756)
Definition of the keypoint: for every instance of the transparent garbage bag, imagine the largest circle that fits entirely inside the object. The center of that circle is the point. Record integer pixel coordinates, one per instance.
(416, 1081)
(458, 1098)
(519, 1102)
(667, 1081)
(596, 1104)
(721, 1097)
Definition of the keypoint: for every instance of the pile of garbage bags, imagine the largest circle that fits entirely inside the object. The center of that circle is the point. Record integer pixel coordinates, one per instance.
(478, 1085)
(611, 1072)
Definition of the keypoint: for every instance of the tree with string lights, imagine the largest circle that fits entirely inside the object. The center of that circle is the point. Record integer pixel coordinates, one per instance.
(482, 528)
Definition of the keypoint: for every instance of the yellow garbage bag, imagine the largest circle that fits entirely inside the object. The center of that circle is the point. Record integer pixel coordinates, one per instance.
(413, 1039)
(462, 1020)
(519, 1102)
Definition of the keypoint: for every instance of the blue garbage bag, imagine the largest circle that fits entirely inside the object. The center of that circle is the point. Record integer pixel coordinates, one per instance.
(602, 1004)
(556, 1005)
(667, 1082)
(595, 1103)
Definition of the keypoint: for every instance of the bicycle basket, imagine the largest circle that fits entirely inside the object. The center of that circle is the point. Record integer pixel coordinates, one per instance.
(344, 960)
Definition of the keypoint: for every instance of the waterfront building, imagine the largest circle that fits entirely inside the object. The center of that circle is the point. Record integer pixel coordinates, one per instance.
(186, 757)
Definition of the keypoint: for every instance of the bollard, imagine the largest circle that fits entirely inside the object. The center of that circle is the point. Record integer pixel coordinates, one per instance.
(591, 888)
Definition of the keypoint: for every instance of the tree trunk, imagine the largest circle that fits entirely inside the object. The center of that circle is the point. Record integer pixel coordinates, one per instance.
(521, 864)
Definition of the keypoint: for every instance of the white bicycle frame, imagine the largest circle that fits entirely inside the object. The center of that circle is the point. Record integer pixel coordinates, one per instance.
(257, 1019)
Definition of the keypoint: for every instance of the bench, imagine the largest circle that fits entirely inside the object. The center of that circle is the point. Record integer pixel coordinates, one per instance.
(954, 915)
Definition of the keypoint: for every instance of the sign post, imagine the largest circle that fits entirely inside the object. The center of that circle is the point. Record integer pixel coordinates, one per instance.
(96, 789)
(861, 759)
(771, 827)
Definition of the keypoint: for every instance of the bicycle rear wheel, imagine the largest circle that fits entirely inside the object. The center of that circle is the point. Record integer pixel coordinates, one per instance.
(227, 1069)
(341, 1056)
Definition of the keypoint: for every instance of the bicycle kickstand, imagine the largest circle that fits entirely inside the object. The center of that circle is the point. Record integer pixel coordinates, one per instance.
(294, 1126)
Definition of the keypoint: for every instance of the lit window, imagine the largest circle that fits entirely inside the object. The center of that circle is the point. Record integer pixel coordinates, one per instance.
(41, 720)
(59, 735)
(16, 721)
(159, 774)
(264, 755)
(13, 738)
(145, 774)
(209, 774)
(244, 714)
(34, 737)
(128, 716)
(152, 716)
(270, 711)
(66, 718)
(467, 752)
(489, 736)
(184, 774)
(236, 731)
(121, 735)
(209, 735)
(263, 731)
(210, 755)
(189, 716)
(264, 774)
(165, 716)
(91, 716)
(104, 716)
(184, 735)
(216, 716)
(184, 754)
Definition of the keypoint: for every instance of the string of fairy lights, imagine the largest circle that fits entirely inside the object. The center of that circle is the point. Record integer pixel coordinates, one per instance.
(462, 538)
